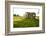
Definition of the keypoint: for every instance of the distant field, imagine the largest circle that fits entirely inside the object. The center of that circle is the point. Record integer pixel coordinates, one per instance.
(25, 22)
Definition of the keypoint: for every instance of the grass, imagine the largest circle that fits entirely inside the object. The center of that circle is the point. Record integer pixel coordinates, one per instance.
(25, 22)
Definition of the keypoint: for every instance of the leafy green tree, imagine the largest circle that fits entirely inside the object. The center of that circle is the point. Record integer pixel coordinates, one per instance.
(14, 15)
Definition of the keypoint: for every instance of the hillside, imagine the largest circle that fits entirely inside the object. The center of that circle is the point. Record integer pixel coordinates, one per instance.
(25, 22)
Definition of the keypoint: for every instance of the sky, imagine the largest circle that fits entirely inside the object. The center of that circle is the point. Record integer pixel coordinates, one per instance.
(22, 9)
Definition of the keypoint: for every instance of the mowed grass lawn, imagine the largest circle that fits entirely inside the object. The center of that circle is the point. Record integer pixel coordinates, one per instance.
(25, 22)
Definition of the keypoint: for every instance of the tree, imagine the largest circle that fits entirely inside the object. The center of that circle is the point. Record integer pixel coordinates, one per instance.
(30, 15)
(14, 15)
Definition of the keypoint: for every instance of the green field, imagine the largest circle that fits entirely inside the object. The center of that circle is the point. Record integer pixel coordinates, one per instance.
(25, 22)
